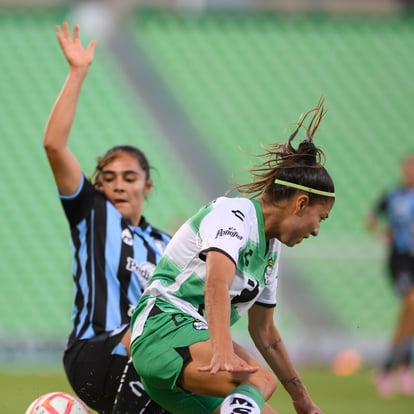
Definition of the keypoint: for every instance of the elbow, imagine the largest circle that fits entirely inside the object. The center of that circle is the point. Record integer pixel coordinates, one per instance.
(50, 146)
(261, 335)
(255, 333)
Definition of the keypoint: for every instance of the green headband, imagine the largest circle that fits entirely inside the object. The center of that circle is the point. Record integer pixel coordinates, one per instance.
(303, 188)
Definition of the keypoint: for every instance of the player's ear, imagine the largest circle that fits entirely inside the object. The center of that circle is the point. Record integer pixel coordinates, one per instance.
(148, 186)
(301, 202)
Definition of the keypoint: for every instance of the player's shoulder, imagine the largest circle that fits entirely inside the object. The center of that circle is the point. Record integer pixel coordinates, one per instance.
(240, 203)
(398, 192)
(221, 209)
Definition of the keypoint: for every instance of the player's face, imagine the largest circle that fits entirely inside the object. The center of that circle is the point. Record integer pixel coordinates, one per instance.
(305, 221)
(124, 183)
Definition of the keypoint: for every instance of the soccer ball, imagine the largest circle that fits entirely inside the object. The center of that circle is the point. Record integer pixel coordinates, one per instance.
(57, 403)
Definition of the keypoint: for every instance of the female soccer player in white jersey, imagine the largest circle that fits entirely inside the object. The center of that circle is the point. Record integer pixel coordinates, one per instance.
(114, 250)
(222, 263)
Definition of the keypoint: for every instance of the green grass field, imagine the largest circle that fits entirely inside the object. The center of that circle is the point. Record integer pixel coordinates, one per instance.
(335, 395)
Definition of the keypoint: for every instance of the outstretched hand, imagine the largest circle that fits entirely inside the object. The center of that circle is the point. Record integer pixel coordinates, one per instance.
(75, 53)
(230, 363)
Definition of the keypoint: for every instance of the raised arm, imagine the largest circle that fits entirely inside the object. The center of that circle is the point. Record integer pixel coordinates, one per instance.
(268, 341)
(65, 167)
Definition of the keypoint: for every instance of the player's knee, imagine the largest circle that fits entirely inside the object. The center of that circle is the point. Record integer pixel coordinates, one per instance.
(271, 384)
(265, 381)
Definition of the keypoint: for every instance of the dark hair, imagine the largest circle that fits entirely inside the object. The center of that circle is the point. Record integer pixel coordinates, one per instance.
(111, 155)
(302, 166)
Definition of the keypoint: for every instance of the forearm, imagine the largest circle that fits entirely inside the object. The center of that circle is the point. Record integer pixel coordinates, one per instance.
(271, 346)
(217, 308)
(276, 355)
(63, 113)
(219, 275)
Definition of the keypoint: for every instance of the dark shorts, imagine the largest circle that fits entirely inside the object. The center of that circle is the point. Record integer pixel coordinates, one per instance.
(105, 380)
(94, 372)
(401, 268)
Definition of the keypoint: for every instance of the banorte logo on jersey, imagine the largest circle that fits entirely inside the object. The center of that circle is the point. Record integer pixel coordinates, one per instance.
(231, 231)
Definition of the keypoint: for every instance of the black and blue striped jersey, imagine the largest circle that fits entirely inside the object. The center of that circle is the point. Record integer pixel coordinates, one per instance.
(112, 261)
(398, 207)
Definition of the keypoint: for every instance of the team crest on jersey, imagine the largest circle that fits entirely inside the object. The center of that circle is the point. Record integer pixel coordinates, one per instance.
(199, 325)
(127, 237)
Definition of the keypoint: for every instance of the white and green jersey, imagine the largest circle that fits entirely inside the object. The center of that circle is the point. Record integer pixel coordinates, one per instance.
(233, 226)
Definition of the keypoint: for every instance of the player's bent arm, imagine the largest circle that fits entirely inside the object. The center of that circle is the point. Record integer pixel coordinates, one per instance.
(220, 273)
(268, 341)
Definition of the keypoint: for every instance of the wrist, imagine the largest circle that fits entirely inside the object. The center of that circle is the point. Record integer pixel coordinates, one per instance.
(78, 71)
(296, 389)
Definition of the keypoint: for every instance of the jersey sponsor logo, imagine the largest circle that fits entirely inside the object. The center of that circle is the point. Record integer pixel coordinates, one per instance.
(240, 215)
(143, 270)
(127, 237)
(231, 231)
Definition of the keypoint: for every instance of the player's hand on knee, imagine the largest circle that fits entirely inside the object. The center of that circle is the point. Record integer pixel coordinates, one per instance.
(229, 363)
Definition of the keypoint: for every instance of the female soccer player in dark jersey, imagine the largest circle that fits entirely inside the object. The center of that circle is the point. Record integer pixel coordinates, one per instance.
(223, 263)
(114, 250)
(397, 208)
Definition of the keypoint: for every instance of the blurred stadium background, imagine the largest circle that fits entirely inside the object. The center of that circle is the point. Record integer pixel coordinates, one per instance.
(200, 85)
